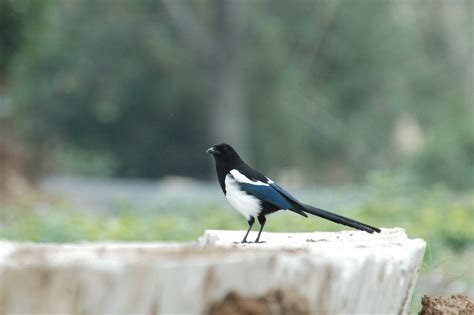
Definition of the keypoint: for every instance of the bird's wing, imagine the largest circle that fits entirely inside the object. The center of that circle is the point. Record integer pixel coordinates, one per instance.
(283, 192)
(269, 192)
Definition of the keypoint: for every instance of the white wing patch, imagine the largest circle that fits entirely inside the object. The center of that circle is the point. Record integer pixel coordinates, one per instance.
(241, 178)
(245, 204)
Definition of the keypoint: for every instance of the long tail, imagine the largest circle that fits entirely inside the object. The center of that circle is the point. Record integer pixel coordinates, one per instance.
(339, 219)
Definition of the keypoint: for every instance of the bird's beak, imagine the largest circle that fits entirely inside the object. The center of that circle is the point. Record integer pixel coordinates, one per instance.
(212, 151)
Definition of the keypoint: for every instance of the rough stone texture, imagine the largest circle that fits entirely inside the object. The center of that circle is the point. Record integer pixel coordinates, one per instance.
(274, 302)
(455, 305)
(350, 272)
(302, 273)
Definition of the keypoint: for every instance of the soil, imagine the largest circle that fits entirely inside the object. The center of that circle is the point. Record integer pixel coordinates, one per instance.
(275, 302)
(456, 304)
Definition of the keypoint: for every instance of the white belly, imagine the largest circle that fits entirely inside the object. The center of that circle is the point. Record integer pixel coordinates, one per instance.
(246, 205)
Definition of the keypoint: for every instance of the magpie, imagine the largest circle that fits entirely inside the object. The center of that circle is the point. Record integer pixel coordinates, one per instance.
(254, 195)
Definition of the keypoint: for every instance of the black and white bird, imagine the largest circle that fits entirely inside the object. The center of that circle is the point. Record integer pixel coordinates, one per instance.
(254, 195)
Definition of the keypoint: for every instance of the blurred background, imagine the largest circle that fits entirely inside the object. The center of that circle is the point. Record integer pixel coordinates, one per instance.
(362, 107)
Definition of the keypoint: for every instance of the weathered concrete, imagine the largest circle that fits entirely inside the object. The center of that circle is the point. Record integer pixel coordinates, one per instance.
(307, 273)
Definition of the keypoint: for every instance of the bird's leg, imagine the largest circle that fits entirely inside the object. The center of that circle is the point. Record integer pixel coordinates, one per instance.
(261, 220)
(250, 221)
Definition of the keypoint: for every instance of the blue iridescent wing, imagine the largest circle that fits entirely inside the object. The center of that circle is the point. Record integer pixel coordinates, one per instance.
(268, 194)
(273, 194)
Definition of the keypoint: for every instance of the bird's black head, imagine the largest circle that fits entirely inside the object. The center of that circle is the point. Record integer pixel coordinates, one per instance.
(223, 152)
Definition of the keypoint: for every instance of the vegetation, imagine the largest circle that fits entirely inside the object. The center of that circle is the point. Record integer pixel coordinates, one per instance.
(424, 216)
(135, 92)
(443, 218)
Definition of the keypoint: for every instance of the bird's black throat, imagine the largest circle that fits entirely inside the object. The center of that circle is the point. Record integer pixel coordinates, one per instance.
(223, 167)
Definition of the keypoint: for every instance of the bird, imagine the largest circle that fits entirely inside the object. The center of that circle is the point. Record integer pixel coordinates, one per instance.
(255, 196)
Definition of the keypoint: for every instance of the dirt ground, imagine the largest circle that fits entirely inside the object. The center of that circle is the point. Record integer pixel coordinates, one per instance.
(274, 302)
(456, 304)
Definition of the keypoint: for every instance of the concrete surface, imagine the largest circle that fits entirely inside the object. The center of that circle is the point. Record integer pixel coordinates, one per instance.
(293, 273)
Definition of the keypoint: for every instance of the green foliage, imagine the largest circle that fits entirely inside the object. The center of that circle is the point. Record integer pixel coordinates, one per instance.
(332, 77)
(448, 154)
(10, 31)
(104, 88)
(444, 220)
(16, 20)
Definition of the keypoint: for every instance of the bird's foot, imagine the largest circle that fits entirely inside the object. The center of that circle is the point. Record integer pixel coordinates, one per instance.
(244, 241)
(259, 242)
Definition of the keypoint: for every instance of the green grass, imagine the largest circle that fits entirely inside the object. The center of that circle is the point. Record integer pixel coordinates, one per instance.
(442, 219)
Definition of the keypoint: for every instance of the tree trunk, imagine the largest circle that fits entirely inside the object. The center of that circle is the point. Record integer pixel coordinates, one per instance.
(220, 52)
(228, 117)
(349, 272)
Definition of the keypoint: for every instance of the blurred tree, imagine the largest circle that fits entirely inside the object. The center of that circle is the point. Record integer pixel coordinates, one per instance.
(219, 48)
(18, 166)
(9, 34)
(319, 85)
(15, 18)
(116, 87)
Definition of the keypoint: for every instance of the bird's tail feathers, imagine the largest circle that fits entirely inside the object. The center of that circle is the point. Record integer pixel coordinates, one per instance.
(299, 211)
(339, 219)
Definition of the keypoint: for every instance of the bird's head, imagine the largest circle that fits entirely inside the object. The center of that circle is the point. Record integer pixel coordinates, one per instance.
(223, 152)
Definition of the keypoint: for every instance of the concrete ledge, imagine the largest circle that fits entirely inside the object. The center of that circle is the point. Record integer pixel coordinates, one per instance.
(295, 273)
